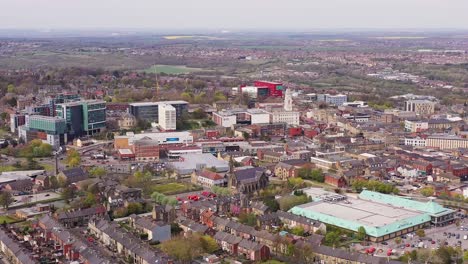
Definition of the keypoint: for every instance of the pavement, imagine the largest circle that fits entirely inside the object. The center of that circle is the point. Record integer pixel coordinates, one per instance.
(32, 198)
(433, 233)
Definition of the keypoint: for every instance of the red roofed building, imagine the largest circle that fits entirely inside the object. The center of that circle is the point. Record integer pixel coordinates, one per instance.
(207, 178)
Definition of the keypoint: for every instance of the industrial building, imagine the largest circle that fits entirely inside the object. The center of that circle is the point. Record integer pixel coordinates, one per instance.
(149, 111)
(383, 216)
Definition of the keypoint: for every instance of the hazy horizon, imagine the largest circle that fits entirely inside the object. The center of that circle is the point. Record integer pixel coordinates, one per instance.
(239, 15)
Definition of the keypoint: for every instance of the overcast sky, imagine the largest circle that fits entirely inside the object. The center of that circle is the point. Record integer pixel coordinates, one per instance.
(234, 14)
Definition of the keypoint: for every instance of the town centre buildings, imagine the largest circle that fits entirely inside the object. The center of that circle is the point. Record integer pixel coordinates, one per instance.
(383, 216)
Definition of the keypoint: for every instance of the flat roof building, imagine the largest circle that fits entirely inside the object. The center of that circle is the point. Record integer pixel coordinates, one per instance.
(383, 216)
(149, 111)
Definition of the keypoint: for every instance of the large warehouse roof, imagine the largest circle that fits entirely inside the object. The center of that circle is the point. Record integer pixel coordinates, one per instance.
(379, 214)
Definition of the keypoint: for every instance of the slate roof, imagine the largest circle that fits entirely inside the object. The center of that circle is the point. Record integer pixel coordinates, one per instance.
(75, 174)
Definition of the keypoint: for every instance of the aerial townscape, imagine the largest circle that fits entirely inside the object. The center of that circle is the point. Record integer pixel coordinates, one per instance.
(232, 146)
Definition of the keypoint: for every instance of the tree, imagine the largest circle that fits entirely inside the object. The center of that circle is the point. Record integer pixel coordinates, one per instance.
(175, 229)
(332, 238)
(295, 183)
(271, 203)
(209, 244)
(427, 191)
(68, 193)
(249, 219)
(134, 208)
(183, 249)
(90, 200)
(6, 199)
(54, 184)
(420, 233)
(97, 172)
(298, 230)
(11, 88)
(246, 136)
(73, 158)
(361, 233)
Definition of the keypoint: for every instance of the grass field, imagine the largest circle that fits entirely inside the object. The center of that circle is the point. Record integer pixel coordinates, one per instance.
(4, 168)
(173, 188)
(8, 219)
(47, 166)
(171, 69)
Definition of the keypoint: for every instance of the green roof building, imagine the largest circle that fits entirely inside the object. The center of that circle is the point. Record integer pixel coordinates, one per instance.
(383, 216)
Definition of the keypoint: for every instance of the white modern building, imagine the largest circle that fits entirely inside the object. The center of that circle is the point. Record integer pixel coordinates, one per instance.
(167, 117)
(415, 142)
(416, 126)
(336, 100)
(228, 118)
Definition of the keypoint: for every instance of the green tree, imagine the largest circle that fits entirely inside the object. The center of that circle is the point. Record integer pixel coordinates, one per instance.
(54, 184)
(427, 191)
(134, 208)
(73, 158)
(295, 183)
(97, 172)
(90, 200)
(271, 203)
(361, 233)
(298, 230)
(11, 88)
(175, 229)
(183, 249)
(332, 239)
(249, 219)
(209, 244)
(6, 199)
(67, 194)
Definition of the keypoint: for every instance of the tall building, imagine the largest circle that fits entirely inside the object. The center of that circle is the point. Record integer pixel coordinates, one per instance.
(16, 120)
(83, 117)
(167, 117)
(288, 103)
(51, 130)
(149, 111)
(420, 107)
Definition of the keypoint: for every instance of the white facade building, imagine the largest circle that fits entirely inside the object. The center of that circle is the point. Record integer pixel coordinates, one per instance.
(167, 117)
(415, 142)
(290, 118)
(337, 100)
(416, 126)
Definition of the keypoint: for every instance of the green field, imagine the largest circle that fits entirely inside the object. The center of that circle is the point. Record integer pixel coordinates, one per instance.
(171, 69)
(8, 219)
(4, 168)
(173, 188)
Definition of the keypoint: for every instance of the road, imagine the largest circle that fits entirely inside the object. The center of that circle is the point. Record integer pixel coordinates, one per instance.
(33, 198)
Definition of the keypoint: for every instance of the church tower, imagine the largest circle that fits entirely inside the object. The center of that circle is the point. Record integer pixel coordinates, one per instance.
(288, 104)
